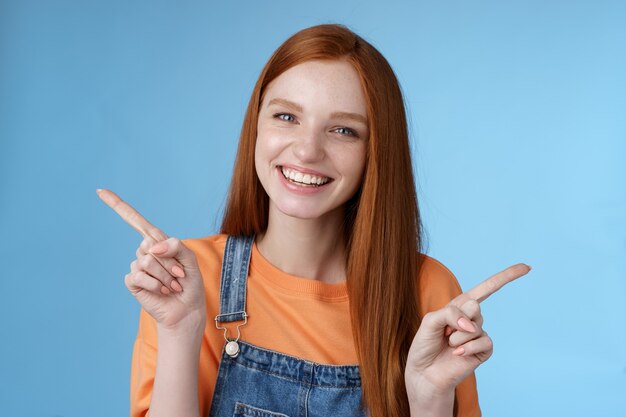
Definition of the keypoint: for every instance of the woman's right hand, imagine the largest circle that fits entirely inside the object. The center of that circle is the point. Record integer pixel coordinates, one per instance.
(165, 277)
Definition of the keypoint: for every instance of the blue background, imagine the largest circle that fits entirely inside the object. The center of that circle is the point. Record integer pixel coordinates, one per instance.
(518, 121)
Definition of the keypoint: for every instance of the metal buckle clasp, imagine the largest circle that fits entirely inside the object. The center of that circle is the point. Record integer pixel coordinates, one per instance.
(232, 347)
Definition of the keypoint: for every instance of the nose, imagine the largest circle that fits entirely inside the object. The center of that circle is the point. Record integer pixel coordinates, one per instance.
(309, 147)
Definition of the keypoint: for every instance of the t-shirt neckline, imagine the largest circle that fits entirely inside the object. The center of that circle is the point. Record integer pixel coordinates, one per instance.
(295, 284)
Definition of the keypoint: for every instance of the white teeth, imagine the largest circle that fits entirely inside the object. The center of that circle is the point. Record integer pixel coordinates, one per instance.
(308, 179)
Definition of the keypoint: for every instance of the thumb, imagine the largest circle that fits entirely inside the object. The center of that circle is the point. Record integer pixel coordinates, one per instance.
(174, 248)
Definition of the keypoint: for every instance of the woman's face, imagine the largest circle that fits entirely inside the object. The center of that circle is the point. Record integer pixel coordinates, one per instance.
(312, 138)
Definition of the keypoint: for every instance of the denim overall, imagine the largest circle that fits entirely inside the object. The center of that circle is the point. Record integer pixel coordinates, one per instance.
(257, 382)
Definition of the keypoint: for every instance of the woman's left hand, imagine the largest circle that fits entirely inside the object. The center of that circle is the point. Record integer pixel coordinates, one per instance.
(451, 342)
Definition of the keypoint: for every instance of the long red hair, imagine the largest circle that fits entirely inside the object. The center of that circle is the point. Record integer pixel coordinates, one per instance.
(382, 223)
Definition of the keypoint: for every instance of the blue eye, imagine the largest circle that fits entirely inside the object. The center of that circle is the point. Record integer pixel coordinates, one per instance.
(279, 115)
(288, 117)
(350, 132)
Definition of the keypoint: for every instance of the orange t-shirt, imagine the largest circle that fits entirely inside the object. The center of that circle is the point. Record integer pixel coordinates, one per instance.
(301, 317)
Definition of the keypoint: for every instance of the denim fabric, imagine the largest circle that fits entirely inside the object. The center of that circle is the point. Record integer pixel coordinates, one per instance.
(234, 277)
(263, 383)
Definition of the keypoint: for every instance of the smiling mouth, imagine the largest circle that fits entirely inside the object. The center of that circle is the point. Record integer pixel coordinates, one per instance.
(304, 180)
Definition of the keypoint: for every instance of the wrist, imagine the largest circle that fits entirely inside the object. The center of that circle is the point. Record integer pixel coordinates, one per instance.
(433, 405)
(426, 399)
(191, 327)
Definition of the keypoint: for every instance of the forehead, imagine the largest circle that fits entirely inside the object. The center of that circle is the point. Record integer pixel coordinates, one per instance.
(333, 85)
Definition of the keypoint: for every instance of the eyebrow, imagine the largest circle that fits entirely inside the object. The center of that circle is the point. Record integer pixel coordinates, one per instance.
(336, 115)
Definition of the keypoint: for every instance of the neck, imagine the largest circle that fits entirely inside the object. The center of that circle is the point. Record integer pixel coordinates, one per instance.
(308, 248)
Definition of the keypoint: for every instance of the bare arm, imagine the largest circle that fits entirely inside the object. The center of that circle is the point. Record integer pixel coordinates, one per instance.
(432, 404)
(167, 282)
(175, 391)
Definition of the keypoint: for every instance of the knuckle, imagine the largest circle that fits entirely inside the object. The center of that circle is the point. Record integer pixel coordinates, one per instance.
(489, 342)
(459, 300)
(145, 261)
(175, 243)
(128, 279)
(473, 308)
(473, 305)
(428, 317)
(146, 244)
(452, 310)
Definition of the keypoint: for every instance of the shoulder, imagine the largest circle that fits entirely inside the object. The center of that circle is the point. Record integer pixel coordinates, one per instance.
(437, 285)
(209, 252)
(208, 246)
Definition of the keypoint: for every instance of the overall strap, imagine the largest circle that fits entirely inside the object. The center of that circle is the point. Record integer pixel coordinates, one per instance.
(234, 278)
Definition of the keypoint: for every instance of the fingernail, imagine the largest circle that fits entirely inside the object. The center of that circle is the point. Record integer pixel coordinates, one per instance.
(529, 267)
(159, 248)
(458, 351)
(178, 271)
(165, 290)
(176, 286)
(466, 325)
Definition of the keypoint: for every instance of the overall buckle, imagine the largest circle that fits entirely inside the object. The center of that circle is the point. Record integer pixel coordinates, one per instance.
(232, 347)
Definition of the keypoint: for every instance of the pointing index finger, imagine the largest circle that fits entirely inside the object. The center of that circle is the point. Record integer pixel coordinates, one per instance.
(131, 216)
(494, 283)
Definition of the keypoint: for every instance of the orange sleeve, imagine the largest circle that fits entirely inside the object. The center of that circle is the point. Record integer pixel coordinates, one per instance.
(437, 286)
(143, 366)
(144, 358)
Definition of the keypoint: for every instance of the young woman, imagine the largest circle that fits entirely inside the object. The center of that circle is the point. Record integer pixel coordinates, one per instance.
(322, 300)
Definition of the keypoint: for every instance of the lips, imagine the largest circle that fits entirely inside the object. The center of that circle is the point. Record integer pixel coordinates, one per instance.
(303, 178)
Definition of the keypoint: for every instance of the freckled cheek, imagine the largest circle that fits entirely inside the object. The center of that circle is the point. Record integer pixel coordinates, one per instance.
(350, 161)
(268, 148)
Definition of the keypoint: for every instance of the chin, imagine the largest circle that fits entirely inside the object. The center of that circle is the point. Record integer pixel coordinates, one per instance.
(304, 211)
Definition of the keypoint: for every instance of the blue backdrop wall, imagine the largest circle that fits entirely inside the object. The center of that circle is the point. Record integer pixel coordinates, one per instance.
(519, 131)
